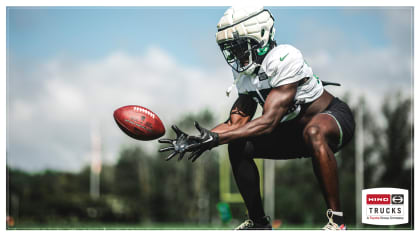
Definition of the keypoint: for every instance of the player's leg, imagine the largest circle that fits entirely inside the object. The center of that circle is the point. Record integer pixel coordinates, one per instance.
(283, 143)
(325, 134)
(321, 132)
(248, 181)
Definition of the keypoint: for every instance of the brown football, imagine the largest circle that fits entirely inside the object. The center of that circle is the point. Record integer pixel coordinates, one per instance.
(139, 122)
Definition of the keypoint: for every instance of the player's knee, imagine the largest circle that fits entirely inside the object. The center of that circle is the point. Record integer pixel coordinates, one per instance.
(313, 136)
(240, 149)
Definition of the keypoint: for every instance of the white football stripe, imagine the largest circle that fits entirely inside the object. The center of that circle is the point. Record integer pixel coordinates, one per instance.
(145, 111)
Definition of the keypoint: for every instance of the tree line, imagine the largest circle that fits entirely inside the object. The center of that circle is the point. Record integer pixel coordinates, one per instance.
(142, 188)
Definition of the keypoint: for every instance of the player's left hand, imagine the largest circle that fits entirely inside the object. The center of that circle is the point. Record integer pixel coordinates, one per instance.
(206, 141)
(180, 145)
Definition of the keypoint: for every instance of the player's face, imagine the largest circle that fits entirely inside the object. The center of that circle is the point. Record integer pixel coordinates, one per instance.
(241, 52)
(244, 60)
(237, 50)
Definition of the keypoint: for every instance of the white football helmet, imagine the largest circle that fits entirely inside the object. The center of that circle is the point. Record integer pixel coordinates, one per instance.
(245, 35)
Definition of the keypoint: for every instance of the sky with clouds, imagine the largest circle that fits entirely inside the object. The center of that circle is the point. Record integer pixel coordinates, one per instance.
(69, 68)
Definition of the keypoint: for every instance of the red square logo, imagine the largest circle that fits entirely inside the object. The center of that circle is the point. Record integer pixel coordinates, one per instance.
(378, 199)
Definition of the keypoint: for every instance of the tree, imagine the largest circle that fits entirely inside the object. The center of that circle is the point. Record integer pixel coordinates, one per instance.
(396, 152)
(132, 183)
(396, 149)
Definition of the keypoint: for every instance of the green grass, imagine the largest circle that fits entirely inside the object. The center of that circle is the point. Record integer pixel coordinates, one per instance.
(114, 226)
(169, 226)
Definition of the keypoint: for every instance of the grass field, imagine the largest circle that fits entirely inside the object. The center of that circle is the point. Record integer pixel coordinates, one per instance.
(169, 226)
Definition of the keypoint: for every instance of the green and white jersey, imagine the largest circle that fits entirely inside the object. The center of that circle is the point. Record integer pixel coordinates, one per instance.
(284, 64)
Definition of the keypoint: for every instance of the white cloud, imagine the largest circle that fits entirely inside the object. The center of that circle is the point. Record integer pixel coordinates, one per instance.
(51, 109)
(372, 73)
(51, 127)
(63, 98)
(23, 111)
(400, 27)
(363, 68)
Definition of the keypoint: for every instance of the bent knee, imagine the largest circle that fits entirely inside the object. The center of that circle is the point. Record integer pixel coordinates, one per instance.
(312, 134)
(315, 137)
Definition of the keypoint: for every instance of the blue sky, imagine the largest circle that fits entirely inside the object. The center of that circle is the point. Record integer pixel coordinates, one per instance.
(38, 33)
(69, 68)
(92, 32)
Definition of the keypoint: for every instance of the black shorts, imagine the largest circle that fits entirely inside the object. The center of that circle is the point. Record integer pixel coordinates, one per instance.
(342, 114)
(286, 141)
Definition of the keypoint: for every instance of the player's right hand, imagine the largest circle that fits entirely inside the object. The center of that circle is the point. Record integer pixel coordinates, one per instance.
(180, 145)
(206, 141)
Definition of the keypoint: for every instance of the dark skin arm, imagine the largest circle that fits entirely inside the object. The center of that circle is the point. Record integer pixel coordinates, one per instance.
(241, 113)
(276, 105)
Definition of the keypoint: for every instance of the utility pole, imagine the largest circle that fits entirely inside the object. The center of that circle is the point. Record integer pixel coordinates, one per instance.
(96, 163)
(269, 187)
(359, 179)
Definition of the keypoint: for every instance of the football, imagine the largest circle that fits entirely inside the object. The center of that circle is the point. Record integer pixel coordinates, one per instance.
(139, 122)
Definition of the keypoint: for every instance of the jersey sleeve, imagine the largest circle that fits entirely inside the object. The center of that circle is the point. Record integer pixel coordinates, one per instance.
(286, 65)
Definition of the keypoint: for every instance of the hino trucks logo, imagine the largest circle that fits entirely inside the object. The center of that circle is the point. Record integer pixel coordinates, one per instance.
(385, 206)
(397, 199)
(377, 199)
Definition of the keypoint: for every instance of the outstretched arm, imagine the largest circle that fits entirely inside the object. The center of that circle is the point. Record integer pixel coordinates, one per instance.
(276, 105)
(242, 112)
(238, 126)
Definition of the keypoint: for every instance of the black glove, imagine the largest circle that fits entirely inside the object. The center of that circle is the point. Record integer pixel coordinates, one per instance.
(181, 144)
(206, 141)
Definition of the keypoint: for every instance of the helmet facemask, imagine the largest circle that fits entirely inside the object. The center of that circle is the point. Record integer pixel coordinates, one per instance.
(241, 53)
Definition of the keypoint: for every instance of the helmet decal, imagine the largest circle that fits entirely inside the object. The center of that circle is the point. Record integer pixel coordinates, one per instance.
(262, 51)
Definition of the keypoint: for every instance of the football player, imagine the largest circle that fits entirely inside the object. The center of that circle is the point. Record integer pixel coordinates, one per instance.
(300, 118)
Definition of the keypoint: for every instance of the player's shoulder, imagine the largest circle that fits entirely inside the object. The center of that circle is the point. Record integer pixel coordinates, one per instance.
(282, 52)
(284, 48)
(280, 56)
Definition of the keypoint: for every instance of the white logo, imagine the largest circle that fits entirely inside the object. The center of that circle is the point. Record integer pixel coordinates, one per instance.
(385, 206)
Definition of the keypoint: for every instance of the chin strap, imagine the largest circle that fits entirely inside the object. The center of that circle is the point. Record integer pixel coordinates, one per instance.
(325, 83)
(229, 90)
(256, 68)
